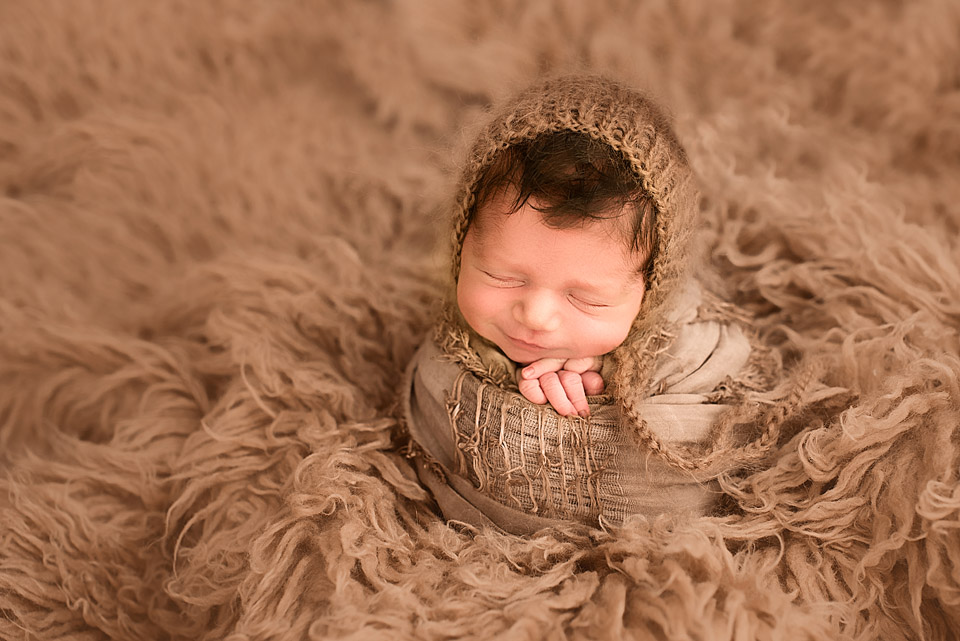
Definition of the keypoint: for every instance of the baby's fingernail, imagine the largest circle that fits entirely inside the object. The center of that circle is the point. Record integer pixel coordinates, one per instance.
(584, 413)
(527, 371)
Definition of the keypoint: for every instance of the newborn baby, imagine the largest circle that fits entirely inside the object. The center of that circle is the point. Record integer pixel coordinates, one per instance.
(553, 264)
(571, 349)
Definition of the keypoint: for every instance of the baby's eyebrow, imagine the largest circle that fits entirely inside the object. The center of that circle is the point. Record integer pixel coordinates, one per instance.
(602, 289)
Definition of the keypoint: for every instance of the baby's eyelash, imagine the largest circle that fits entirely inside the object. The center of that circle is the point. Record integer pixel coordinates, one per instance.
(589, 304)
(504, 280)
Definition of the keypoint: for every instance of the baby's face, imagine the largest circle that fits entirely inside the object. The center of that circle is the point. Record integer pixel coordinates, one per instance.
(538, 292)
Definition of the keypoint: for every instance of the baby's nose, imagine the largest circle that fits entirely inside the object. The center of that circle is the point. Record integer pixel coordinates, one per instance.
(537, 312)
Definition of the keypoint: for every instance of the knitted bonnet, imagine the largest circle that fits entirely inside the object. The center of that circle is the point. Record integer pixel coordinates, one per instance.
(631, 123)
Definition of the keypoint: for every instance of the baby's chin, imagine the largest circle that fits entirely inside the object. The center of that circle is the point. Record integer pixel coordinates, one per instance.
(525, 355)
(520, 353)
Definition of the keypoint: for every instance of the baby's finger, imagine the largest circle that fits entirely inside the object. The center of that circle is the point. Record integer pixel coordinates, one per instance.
(581, 365)
(553, 390)
(536, 369)
(573, 385)
(592, 383)
(531, 391)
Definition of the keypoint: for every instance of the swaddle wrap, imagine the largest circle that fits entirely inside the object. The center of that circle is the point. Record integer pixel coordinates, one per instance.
(493, 458)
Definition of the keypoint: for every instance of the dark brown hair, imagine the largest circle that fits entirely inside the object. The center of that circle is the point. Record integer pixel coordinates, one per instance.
(573, 179)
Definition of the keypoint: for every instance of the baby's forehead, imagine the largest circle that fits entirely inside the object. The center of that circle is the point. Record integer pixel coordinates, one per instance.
(497, 235)
(489, 221)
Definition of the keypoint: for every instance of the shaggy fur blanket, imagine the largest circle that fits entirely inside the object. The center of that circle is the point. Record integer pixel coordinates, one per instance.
(218, 253)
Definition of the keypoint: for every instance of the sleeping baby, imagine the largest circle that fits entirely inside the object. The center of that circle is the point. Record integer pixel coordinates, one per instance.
(573, 341)
(553, 264)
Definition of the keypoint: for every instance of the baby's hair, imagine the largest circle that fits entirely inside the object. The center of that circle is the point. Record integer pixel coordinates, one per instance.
(573, 179)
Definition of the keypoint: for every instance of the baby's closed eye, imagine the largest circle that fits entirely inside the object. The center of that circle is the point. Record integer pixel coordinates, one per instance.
(503, 280)
(587, 304)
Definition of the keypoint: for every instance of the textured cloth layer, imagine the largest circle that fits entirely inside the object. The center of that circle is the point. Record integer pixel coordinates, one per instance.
(493, 457)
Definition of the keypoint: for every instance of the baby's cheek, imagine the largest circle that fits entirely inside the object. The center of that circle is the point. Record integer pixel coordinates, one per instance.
(605, 337)
(474, 303)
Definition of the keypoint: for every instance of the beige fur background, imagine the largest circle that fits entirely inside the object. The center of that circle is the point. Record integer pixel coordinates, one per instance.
(217, 256)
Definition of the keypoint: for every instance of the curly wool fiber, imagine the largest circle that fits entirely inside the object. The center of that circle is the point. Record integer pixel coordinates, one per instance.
(217, 255)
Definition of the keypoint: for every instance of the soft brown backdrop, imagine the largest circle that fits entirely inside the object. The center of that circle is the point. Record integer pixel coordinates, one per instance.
(216, 259)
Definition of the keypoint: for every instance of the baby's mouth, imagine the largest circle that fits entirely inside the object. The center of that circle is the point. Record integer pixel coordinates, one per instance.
(525, 344)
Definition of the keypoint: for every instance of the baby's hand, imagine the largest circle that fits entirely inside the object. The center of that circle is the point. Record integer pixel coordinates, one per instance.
(565, 384)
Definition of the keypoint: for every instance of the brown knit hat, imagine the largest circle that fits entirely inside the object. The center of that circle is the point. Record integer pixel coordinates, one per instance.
(631, 123)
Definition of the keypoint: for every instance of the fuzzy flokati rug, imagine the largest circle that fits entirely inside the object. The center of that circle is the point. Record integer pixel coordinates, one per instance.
(218, 251)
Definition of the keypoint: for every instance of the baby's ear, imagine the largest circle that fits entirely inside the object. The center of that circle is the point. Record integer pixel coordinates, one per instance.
(639, 282)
